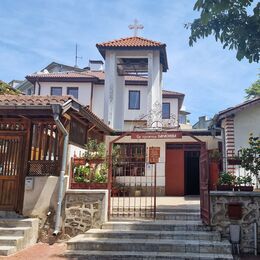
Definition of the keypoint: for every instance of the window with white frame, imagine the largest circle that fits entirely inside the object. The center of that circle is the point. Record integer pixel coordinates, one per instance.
(166, 108)
(134, 99)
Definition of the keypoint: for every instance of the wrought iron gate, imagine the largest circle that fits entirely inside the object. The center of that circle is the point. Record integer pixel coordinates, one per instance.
(133, 183)
(204, 185)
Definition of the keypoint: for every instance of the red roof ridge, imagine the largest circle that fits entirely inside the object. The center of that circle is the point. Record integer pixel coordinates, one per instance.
(131, 41)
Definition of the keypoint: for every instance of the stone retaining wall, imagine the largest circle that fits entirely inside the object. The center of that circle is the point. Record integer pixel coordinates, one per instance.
(84, 209)
(220, 220)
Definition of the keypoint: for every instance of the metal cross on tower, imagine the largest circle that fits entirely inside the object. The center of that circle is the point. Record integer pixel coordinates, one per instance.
(135, 27)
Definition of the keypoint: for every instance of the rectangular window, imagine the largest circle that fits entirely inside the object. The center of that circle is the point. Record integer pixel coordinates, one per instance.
(56, 91)
(131, 160)
(134, 99)
(73, 91)
(166, 110)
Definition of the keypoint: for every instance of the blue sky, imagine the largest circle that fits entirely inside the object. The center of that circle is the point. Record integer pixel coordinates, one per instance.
(33, 33)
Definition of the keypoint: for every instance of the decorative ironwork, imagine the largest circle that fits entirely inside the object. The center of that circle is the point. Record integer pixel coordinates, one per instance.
(155, 120)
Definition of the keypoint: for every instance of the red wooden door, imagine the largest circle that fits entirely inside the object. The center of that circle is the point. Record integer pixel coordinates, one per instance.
(10, 171)
(174, 172)
(204, 185)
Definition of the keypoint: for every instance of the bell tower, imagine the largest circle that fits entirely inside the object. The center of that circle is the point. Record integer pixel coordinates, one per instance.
(132, 56)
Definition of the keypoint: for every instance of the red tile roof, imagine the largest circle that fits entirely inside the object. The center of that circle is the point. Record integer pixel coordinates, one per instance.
(43, 103)
(67, 74)
(233, 110)
(131, 42)
(78, 76)
(171, 93)
(135, 42)
(24, 100)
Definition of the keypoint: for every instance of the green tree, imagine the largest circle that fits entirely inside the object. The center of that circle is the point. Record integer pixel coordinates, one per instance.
(232, 23)
(250, 156)
(6, 89)
(254, 90)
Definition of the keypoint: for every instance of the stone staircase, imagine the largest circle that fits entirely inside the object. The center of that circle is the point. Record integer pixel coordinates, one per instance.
(176, 234)
(17, 234)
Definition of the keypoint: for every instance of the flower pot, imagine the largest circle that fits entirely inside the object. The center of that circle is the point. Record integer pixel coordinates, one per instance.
(88, 186)
(246, 188)
(233, 161)
(79, 161)
(95, 161)
(224, 187)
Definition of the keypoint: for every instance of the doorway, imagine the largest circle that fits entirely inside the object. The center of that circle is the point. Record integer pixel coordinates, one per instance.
(182, 169)
(191, 172)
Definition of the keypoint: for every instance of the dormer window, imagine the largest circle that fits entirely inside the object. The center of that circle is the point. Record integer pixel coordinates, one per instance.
(134, 99)
(166, 110)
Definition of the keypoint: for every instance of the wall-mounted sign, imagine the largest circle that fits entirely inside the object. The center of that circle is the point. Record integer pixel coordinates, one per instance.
(154, 154)
(156, 135)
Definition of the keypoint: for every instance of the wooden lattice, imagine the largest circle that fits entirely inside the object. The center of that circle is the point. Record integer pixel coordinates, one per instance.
(43, 168)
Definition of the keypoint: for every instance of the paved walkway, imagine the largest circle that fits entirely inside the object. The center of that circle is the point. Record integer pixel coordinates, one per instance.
(39, 251)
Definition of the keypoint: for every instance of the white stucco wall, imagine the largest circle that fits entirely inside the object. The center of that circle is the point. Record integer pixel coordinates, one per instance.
(136, 114)
(245, 122)
(43, 197)
(98, 101)
(84, 89)
(174, 112)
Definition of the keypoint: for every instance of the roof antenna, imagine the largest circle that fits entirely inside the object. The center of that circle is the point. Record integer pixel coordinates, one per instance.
(77, 57)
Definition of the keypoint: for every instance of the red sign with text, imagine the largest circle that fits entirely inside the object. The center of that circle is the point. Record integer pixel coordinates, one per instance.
(156, 135)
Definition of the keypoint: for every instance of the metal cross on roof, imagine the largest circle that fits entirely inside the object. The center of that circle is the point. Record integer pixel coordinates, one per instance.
(136, 27)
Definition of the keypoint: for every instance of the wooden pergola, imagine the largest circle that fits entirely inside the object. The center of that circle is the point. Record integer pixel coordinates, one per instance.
(31, 143)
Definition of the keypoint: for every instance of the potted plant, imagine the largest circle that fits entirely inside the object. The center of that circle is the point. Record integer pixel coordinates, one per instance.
(138, 191)
(95, 151)
(85, 178)
(225, 181)
(244, 183)
(119, 190)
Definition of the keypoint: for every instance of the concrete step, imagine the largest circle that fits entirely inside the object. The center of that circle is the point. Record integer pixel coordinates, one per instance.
(150, 245)
(160, 225)
(16, 231)
(11, 240)
(23, 222)
(140, 234)
(176, 209)
(7, 250)
(9, 214)
(177, 216)
(122, 255)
